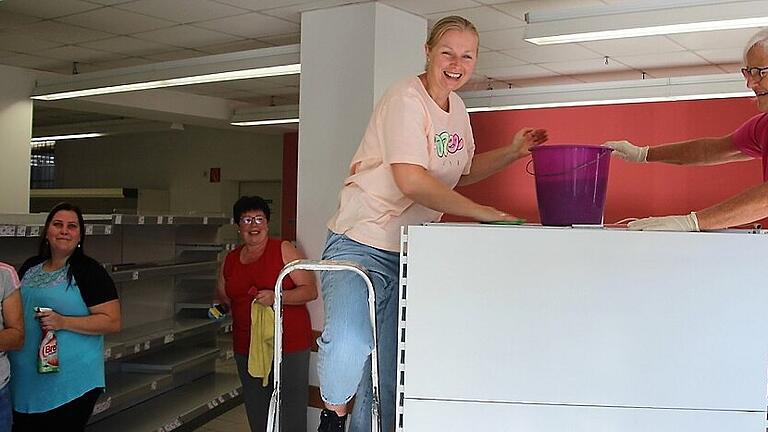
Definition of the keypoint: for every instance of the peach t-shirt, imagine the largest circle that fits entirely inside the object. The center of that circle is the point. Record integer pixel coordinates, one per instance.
(407, 126)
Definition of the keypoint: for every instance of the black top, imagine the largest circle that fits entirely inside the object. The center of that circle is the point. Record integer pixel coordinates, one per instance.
(96, 286)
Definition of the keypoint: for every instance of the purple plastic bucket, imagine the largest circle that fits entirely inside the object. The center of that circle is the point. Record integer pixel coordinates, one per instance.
(571, 181)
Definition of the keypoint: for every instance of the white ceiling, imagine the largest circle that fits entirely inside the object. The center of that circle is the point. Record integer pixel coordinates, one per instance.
(50, 35)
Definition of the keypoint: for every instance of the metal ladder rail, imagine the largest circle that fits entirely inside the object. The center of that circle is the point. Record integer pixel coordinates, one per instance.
(273, 421)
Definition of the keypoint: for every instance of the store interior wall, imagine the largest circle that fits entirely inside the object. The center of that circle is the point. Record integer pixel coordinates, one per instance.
(177, 161)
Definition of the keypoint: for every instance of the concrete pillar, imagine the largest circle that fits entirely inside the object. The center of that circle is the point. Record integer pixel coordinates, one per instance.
(16, 125)
(350, 55)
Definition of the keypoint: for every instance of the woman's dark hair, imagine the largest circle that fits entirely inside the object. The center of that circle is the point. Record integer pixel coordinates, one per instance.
(248, 203)
(44, 251)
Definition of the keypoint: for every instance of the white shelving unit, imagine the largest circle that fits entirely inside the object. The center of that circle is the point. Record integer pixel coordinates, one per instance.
(562, 329)
(165, 369)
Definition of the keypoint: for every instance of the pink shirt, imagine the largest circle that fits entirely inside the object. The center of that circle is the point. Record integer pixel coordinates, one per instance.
(752, 139)
(407, 126)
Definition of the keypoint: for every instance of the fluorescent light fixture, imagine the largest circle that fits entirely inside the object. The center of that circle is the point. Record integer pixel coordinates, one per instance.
(266, 62)
(609, 93)
(274, 115)
(648, 18)
(67, 137)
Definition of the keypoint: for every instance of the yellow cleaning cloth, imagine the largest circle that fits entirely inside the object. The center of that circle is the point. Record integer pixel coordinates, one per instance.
(262, 341)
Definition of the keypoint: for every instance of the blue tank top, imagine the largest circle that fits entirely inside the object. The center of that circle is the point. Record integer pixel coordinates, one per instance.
(81, 357)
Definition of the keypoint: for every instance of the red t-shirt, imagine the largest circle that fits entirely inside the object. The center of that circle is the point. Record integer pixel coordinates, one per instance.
(262, 274)
(752, 139)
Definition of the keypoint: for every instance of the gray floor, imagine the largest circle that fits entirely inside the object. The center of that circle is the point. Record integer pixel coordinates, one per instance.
(233, 420)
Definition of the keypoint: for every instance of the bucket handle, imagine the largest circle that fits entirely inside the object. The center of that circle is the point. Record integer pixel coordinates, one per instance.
(584, 165)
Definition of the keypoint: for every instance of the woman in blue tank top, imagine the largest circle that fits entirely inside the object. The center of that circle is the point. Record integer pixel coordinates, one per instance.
(83, 307)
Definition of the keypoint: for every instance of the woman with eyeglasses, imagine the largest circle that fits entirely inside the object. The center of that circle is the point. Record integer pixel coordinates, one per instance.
(249, 273)
(749, 141)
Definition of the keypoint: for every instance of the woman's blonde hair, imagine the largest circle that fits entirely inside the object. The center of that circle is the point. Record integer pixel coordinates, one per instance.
(453, 22)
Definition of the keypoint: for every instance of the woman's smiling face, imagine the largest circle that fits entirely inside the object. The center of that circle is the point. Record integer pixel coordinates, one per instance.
(451, 61)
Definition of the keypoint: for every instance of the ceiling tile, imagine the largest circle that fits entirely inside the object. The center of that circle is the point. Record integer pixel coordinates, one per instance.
(484, 18)
(121, 63)
(263, 4)
(116, 21)
(288, 39)
(721, 56)
(425, 7)
(649, 61)
(47, 8)
(519, 8)
(545, 81)
(24, 44)
(73, 53)
(62, 33)
(516, 72)
(183, 11)
(504, 39)
(553, 53)
(109, 2)
(494, 59)
(284, 80)
(574, 67)
(250, 25)
(731, 68)
(633, 46)
(175, 55)
(736, 39)
(293, 13)
(185, 36)
(129, 46)
(683, 71)
(241, 45)
(11, 20)
(38, 63)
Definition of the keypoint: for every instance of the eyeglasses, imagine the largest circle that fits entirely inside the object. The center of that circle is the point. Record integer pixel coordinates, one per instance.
(253, 220)
(755, 73)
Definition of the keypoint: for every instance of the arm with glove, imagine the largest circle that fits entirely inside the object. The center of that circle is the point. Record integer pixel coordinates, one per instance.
(744, 208)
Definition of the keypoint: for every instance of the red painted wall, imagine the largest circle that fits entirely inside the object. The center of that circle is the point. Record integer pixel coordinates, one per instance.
(634, 190)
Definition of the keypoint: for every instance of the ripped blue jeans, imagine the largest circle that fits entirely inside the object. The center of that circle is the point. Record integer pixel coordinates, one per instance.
(344, 363)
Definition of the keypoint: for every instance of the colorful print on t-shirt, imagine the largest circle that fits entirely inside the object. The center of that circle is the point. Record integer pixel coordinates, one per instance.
(447, 143)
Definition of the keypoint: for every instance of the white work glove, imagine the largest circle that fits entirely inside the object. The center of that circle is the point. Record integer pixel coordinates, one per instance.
(628, 151)
(666, 223)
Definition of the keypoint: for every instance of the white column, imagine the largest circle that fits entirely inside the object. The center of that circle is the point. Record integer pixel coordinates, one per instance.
(16, 125)
(349, 57)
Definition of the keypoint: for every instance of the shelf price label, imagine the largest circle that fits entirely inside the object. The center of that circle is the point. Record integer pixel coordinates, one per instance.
(153, 386)
(107, 353)
(108, 229)
(141, 220)
(135, 275)
(34, 231)
(118, 219)
(7, 230)
(21, 231)
(88, 229)
(168, 338)
(137, 348)
(170, 220)
(159, 220)
(146, 345)
(171, 426)
(205, 220)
